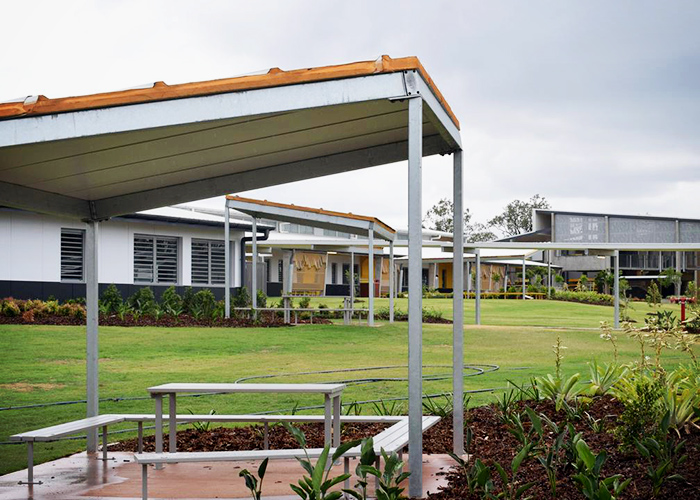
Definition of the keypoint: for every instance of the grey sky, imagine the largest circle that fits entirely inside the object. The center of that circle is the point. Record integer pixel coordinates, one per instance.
(595, 105)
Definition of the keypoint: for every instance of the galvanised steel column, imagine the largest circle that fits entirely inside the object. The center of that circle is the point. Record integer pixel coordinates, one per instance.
(352, 284)
(477, 288)
(524, 277)
(92, 355)
(370, 273)
(616, 291)
(549, 274)
(458, 308)
(227, 262)
(254, 278)
(415, 297)
(392, 285)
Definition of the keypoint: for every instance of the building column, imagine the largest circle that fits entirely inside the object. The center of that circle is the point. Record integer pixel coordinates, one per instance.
(477, 287)
(415, 297)
(457, 308)
(352, 283)
(392, 285)
(549, 274)
(227, 262)
(370, 277)
(92, 354)
(616, 291)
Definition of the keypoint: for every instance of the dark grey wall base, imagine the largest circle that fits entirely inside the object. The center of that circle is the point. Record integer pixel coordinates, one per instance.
(274, 289)
(337, 290)
(64, 291)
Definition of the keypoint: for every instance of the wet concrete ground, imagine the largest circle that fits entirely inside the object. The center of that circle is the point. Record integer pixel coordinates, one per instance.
(85, 478)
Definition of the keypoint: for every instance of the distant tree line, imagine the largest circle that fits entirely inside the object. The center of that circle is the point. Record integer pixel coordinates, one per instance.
(515, 219)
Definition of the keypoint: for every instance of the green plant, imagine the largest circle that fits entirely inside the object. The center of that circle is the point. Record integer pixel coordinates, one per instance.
(671, 277)
(548, 453)
(653, 296)
(393, 408)
(588, 477)
(663, 455)
(203, 304)
(304, 302)
(584, 297)
(261, 299)
(187, 299)
(513, 490)
(582, 285)
(10, 308)
(367, 458)
(603, 379)
(252, 483)
(443, 409)
(317, 485)
(143, 301)
(558, 390)
(641, 397)
(171, 302)
(353, 408)
(609, 336)
(111, 299)
(123, 310)
(680, 403)
(202, 426)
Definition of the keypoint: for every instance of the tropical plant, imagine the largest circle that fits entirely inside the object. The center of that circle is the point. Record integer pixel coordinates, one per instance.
(558, 390)
(111, 299)
(261, 299)
(252, 482)
(512, 489)
(393, 408)
(143, 301)
(171, 302)
(202, 426)
(641, 397)
(588, 477)
(609, 336)
(603, 379)
(663, 454)
(653, 296)
(317, 485)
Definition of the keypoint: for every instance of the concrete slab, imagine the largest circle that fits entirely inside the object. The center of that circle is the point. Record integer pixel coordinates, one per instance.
(83, 477)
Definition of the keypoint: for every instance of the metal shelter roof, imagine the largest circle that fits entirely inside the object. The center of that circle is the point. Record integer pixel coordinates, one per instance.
(317, 217)
(98, 156)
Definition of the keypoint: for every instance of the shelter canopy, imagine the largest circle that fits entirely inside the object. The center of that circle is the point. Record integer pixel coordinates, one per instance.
(97, 156)
(317, 217)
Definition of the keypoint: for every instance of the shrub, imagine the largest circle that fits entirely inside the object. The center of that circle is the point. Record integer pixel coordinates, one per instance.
(203, 304)
(28, 316)
(112, 299)
(187, 299)
(262, 299)
(241, 299)
(304, 302)
(594, 298)
(653, 296)
(143, 301)
(171, 302)
(641, 398)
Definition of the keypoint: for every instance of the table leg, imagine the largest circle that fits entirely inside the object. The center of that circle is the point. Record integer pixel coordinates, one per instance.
(104, 442)
(159, 423)
(173, 424)
(144, 481)
(336, 421)
(140, 437)
(327, 420)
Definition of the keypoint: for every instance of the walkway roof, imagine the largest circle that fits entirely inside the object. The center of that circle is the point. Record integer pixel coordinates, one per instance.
(98, 156)
(316, 217)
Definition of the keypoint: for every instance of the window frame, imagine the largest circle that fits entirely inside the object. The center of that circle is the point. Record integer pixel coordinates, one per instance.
(73, 231)
(210, 243)
(155, 265)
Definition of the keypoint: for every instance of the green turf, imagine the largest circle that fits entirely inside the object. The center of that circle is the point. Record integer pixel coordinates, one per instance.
(44, 364)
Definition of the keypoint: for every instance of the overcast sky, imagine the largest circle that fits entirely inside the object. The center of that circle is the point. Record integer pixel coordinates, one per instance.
(595, 105)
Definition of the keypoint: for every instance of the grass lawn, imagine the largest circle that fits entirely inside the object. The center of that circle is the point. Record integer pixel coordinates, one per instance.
(45, 363)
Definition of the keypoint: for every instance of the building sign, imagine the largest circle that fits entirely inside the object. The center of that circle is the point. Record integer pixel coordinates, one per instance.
(579, 228)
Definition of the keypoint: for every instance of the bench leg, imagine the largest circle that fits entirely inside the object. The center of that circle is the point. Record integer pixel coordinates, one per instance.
(104, 444)
(144, 481)
(140, 448)
(327, 420)
(336, 421)
(377, 464)
(266, 437)
(173, 425)
(346, 470)
(30, 465)
(159, 426)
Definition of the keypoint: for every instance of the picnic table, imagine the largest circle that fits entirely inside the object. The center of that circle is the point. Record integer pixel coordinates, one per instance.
(331, 392)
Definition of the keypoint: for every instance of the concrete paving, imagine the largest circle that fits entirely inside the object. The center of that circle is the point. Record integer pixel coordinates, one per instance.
(85, 478)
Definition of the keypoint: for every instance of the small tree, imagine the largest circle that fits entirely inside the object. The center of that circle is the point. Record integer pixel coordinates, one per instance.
(672, 277)
(653, 296)
(582, 285)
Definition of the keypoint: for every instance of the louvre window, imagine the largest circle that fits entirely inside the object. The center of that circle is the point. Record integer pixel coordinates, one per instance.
(280, 271)
(72, 254)
(334, 273)
(155, 259)
(208, 262)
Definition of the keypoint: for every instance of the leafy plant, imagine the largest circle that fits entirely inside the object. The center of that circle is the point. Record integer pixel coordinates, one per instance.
(588, 478)
(558, 390)
(252, 482)
(203, 304)
(478, 476)
(304, 302)
(241, 299)
(513, 490)
(261, 299)
(443, 409)
(663, 455)
(317, 485)
(641, 397)
(143, 301)
(389, 409)
(609, 336)
(171, 302)
(603, 379)
(202, 426)
(653, 296)
(111, 299)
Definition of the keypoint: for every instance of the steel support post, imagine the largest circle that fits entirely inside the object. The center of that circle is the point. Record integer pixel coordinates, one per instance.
(254, 278)
(415, 297)
(549, 274)
(370, 271)
(92, 355)
(616, 290)
(469, 277)
(458, 309)
(290, 278)
(227, 262)
(392, 285)
(524, 277)
(352, 284)
(679, 269)
(477, 288)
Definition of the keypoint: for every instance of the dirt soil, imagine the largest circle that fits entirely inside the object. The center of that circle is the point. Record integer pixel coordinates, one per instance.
(492, 443)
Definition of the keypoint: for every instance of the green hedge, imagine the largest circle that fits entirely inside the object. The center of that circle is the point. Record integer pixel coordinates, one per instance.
(601, 299)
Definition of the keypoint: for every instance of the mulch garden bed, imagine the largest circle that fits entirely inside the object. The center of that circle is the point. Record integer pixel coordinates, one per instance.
(250, 438)
(492, 442)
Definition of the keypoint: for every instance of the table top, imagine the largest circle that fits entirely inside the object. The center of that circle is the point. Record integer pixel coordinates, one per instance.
(330, 389)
